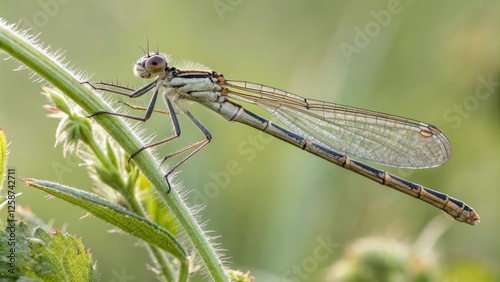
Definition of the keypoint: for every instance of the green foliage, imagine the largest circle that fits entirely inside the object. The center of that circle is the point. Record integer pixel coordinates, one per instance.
(115, 215)
(40, 256)
(239, 276)
(384, 260)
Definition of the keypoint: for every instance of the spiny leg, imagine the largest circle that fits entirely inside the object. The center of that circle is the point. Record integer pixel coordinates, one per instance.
(137, 93)
(117, 89)
(134, 107)
(177, 132)
(149, 109)
(109, 87)
(175, 123)
(121, 90)
(196, 147)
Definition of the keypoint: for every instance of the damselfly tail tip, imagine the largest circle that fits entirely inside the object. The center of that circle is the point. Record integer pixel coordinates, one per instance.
(474, 219)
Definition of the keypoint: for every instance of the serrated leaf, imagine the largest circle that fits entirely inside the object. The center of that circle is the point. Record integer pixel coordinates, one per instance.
(60, 258)
(114, 214)
(38, 256)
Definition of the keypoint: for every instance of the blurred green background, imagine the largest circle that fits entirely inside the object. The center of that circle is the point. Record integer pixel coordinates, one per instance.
(438, 62)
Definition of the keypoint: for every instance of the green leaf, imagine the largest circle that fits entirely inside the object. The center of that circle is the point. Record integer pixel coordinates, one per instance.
(61, 258)
(39, 256)
(114, 214)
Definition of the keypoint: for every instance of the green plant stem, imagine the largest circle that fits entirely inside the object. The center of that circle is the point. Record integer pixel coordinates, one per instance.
(55, 73)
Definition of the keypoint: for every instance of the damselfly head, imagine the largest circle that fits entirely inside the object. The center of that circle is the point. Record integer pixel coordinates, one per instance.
(150, 65)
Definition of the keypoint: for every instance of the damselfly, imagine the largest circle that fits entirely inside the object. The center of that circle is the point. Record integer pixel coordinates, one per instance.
(331, 131)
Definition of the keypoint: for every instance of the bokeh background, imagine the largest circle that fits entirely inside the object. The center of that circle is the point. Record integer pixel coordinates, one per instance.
(438, 62)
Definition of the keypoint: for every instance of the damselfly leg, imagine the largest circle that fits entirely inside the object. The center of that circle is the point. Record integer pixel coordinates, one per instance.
(121, 90)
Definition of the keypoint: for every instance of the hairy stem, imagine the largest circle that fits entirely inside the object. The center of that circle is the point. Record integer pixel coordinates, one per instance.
(18, 46)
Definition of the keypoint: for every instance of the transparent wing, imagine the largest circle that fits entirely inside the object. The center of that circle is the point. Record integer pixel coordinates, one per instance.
(386, 139)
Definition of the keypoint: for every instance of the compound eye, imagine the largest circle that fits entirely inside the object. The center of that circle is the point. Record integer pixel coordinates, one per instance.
(150, 66)
(155, 64)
